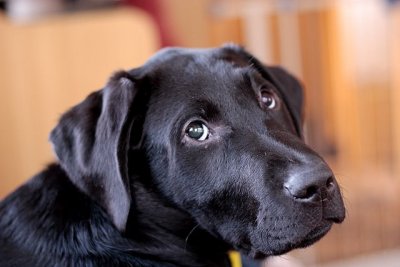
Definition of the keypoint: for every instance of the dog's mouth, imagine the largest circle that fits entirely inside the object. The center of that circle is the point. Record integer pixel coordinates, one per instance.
(312, 237)
(315, 235)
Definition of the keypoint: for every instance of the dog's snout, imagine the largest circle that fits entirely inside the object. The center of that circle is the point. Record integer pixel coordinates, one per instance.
(311, 184)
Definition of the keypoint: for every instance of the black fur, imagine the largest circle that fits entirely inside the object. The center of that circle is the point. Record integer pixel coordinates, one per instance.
(133, 189)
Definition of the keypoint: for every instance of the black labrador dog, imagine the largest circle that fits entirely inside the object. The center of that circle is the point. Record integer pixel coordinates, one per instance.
(174, 163)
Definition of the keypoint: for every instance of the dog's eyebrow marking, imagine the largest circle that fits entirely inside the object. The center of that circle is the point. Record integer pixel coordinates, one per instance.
(254, 79)
(203, 108)
(246, 75)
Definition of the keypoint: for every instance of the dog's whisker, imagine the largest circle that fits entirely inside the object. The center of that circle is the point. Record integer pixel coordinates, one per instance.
(190, 233)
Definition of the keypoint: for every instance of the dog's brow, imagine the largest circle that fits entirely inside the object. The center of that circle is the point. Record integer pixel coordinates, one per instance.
(246, 74)
(252, 76)
(206, 108)
(251, 71)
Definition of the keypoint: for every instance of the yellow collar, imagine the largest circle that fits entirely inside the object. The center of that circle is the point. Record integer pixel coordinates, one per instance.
(235, 259)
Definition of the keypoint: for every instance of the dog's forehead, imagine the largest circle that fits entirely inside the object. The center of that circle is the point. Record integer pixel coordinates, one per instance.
(193, 73)
(222, 76)
(199, 80)
(232, 53)
(207, 83)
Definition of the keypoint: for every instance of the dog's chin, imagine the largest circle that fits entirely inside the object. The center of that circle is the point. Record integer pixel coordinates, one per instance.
(314, 236)
(268, 249)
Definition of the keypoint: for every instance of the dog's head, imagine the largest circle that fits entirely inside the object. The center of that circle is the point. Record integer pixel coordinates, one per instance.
(221, 137)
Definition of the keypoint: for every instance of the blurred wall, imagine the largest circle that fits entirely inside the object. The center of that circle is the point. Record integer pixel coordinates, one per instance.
(49, 65)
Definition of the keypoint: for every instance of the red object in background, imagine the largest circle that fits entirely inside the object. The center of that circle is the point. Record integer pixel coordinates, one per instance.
(153, 7)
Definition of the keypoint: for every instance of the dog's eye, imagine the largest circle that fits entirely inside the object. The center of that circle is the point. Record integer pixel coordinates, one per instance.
(268, 99)
(197, 130)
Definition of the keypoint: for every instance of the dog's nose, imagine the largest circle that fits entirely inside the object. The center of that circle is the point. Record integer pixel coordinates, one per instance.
(311, 184)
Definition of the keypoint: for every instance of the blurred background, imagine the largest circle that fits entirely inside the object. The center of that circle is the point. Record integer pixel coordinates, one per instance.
(346, 52)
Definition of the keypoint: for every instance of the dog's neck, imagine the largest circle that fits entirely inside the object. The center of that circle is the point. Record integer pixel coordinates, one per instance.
(170, 234)
(157, 234)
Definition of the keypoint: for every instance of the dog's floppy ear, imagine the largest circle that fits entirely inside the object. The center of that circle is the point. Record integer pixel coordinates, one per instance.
(91, 143)
(292, 92)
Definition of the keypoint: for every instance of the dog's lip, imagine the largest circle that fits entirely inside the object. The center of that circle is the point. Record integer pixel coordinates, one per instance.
(313, 236)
